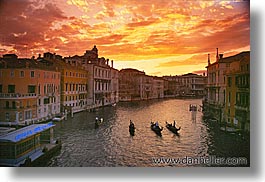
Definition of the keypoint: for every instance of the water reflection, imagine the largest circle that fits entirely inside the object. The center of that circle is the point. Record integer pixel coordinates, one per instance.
(112, 145)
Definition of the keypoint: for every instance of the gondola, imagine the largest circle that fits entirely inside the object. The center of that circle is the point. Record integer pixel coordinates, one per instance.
(172, 128)
(132, 130)
(156, 129)
(98, 122)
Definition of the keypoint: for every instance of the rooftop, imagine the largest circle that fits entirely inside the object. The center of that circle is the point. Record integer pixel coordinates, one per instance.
(131, 70)
(238, 57)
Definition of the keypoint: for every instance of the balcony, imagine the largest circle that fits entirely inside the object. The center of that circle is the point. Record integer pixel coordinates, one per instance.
(242, 107)
(82, 92)
(17, 95)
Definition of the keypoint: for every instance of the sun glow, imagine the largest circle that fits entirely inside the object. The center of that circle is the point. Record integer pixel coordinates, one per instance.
(132, 33)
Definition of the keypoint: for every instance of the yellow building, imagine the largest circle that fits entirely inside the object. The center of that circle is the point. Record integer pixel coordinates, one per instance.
(237, 105)
(74, 84)
(22, 87)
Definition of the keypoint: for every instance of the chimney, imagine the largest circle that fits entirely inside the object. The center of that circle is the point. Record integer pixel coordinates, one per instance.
(39, 55)
(221, 56)
(107, 61)
(209, 61)
(112, 63)
(217, 55)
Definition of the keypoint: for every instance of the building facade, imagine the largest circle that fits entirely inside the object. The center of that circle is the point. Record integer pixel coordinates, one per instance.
(29, 90)
(114, 85)
(130, 87)
(158, 87)
(237, 105)
(227, 88)
(216, 85)
(185, 85)
(191, 85)
(74, 84)
(136, 85)
(102, 77)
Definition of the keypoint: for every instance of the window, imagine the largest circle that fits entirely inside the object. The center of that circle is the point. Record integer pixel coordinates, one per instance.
(237, 80)
(1, 88)
(247, 99)
(46, 101)
(229, 97)
(224, 96)
(11, 88)
(229, 81)
(21, 73)
(44, 89)
(20, 116)
(28, 114)
(7, 116)
(31, 89)
(14, 105)
(12, 73)
(32, 74)
(7, 104)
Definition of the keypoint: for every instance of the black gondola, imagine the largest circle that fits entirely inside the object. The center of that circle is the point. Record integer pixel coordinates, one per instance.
(131, 128)
(172, 128)
(98, 122)
(156, 129)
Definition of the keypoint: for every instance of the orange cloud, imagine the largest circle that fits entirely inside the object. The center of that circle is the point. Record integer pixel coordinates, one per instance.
(128, 30)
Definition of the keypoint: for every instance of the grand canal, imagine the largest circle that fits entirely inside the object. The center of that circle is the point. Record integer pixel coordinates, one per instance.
(111, 144)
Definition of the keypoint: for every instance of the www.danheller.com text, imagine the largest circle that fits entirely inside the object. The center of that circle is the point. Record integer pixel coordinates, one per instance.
(202, 160)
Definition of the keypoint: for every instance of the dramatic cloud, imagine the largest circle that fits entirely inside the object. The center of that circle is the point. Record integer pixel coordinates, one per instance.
(176, 34)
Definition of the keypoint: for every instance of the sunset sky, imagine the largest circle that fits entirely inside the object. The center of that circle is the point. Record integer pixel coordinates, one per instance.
(161, 37)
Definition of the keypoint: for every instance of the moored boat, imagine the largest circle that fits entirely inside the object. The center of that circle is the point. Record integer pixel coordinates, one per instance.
(59, 117)
(156, 129)
(172, 128)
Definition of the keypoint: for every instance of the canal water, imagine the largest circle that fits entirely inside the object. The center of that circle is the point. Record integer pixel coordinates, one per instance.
(110, 144)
